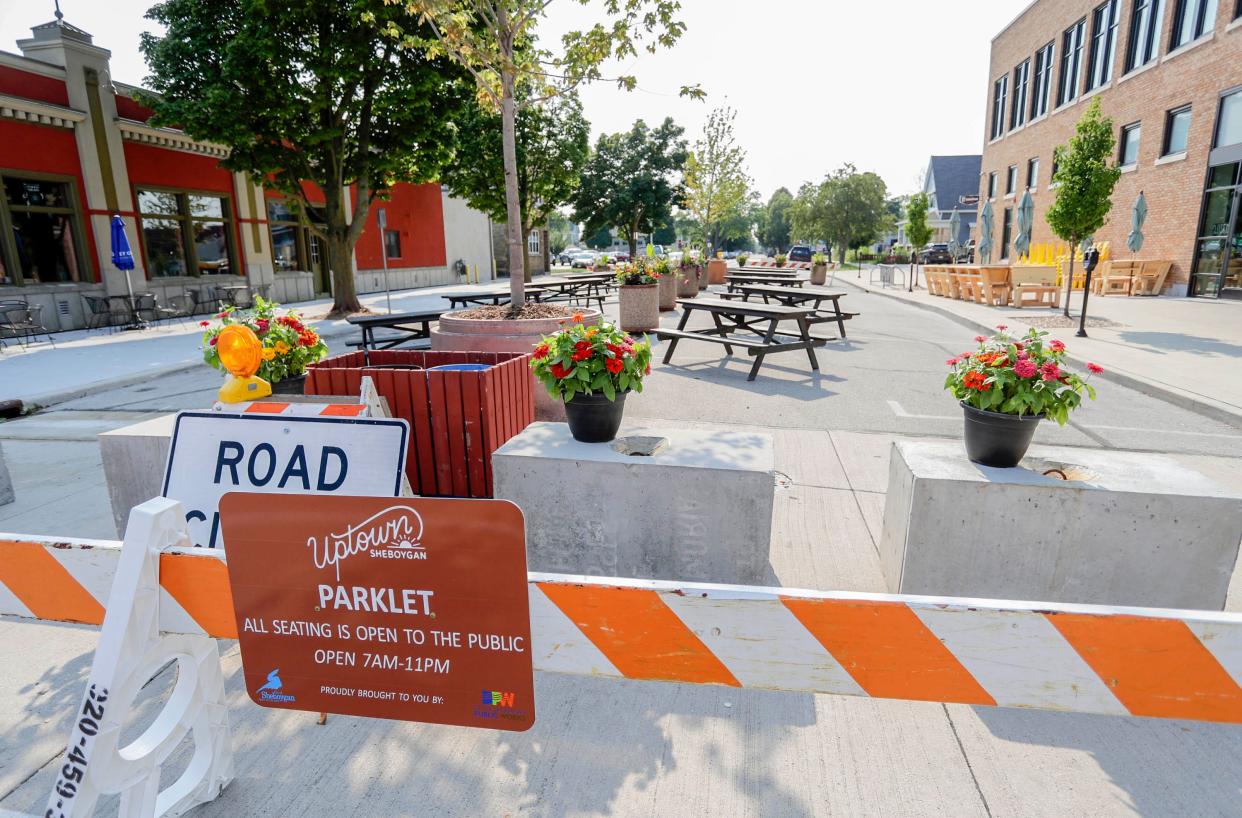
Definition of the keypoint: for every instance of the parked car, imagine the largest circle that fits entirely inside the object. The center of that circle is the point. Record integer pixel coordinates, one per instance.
(564, 257)
(583, 259)
(619, 256)
(967, 253)
(730, 254)
(936, 254)
(800, 252)
(675, 257)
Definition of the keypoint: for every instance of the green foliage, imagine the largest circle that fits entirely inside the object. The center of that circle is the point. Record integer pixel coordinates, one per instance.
(780, 259)
(307, 91)
(1085, 178)
(773, 226)
(642, 270)
(289, 346)
(742, 258)
(917, 229)
(629, 181)
(600, 239)
(716, 185)
(819, 258)
(848, 208)
(1018, 376)
(558, 232)
(665, 234)
(582, 359)
(552, 143)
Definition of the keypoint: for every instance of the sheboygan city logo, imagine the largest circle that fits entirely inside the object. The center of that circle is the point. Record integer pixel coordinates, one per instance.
(271, 691)
(395, 533)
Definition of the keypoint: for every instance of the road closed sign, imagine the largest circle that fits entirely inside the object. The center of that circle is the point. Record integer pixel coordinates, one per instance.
(212, 454)
(397, 608)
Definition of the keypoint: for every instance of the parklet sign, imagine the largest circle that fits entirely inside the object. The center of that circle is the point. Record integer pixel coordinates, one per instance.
(395, 608)
(213, 453)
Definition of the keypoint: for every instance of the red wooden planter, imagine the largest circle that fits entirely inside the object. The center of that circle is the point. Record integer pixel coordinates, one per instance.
(457, 419)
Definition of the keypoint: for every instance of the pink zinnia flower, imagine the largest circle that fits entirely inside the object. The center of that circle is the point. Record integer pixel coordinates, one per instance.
(1024, 368)
(1002, 327)
(980, 338)
(1050, 371)
(1056, 346)
(952, 361)
(1094, 369)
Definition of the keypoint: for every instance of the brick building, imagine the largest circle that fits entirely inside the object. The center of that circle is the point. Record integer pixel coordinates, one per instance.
(1169, 75)
(75, 148)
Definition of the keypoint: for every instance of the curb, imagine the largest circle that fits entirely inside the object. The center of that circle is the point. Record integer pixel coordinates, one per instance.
(1199, 404)
(39, 403)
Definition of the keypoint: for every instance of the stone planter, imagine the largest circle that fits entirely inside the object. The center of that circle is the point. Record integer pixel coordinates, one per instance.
(667, 288)
(819, 274)
(455, 334)
(716, 270)
(640, 307)
(687, 282)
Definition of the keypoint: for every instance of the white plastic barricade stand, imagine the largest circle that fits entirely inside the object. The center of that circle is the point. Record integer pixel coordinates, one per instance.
(131, 650)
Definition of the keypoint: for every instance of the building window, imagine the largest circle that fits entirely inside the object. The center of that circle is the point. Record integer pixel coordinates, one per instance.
(185, 233)
(1071, 61)
(1017, 111)
(1042, 82)
(1229, 123)
(1011, 180)
(1032, 172)
(992, 185)
(1144, 33)
(39, 232)
(1176, 130)
(1006, 232)
(392, 244)
(1103, 43)
(1000, 90)
(1130, 137)
(532, 242)
(286, 231)
(1191, 20)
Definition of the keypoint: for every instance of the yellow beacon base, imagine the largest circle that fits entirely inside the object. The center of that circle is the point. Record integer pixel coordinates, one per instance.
(241, 352)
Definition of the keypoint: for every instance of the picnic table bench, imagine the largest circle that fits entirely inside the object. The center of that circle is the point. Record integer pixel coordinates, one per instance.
(813, 297)
(782, 279)
(576, 289)
(412, 327)
(761, 320)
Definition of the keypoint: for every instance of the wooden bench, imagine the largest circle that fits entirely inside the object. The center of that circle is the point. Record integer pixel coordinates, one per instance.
(1036, 295)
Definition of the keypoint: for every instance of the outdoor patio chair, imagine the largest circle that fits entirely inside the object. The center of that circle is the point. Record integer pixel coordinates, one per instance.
(205, 301)
(149, 309)
(994, 286)
(1115, 277)
(100, 313)
(1150, 281)
(23, 322)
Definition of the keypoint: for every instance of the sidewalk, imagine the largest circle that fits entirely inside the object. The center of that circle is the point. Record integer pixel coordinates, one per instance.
(1184, 350)
(87, 361)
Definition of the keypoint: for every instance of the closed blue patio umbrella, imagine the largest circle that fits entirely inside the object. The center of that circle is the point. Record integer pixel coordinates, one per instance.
(985, 234)
(123, 260)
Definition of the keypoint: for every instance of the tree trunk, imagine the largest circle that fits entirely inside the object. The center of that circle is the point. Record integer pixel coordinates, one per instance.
(513, 207)
(340, 262)
(1069, 278)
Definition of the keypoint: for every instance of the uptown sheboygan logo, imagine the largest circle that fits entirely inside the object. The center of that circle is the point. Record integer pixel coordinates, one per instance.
(271, 691)
(394, 533)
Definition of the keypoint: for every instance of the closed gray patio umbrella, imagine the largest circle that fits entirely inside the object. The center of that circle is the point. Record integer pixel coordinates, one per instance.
(955, 234)
(1026, 221)
(985, 234)
(1138, 215)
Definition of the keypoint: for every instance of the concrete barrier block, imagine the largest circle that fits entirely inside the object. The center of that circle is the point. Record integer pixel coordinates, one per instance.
(134, 458)
(1127, 528)
(6, 482)
(698, 510)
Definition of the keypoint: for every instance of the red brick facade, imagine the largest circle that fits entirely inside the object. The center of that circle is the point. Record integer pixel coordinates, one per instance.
(1195, 74)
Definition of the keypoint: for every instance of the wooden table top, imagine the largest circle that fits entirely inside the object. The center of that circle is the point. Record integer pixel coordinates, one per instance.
(745, 307)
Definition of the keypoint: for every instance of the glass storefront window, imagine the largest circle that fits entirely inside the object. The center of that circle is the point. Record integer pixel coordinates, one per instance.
(1229, 123)
(43, 241)
(185, 233)
(284, 227)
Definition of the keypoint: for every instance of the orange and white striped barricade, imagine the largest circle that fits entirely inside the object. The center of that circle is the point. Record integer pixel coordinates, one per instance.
(168, 600)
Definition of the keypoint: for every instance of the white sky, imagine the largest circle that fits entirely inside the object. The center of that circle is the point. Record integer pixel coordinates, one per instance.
(880, 83)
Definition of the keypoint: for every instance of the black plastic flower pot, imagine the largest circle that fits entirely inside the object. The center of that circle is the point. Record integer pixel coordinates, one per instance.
(292, 385)
(996, 439)
(594, 418)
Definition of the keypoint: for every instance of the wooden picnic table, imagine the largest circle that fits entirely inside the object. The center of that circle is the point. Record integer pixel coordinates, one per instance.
(783, 279)
(813, 297)
(577, 289)
(762, 320)
(496, 294)
(412, 326)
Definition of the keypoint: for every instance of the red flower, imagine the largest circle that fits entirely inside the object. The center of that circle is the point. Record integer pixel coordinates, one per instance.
(980, 338)
(541, 352)
(307, 340)
(952, 361)
(577, 318)
(1025, 368)
(1002, 327)
(976, 380)
(618, 351)
(582, 345)
(212, 342)
(648, 372)
(1056, 346)
(1094, 369)
(614, 365)
(262, 324)
(560, 371)
(204, 323)
(1050, 371)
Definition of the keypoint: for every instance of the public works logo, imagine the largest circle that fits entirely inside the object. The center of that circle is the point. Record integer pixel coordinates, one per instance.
(496, 698)
(395, 533)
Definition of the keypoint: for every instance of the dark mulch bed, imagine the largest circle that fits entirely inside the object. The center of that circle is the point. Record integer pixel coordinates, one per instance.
(502, 311)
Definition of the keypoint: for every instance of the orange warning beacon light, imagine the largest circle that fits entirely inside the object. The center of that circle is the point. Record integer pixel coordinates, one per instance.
(241, 352)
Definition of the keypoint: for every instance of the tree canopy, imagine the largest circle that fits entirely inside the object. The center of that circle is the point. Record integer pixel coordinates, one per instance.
(716, 185)
(917, 229)
(630, 181)
(552, 145)
(308, 91)
(848, 209)
(773, 228)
